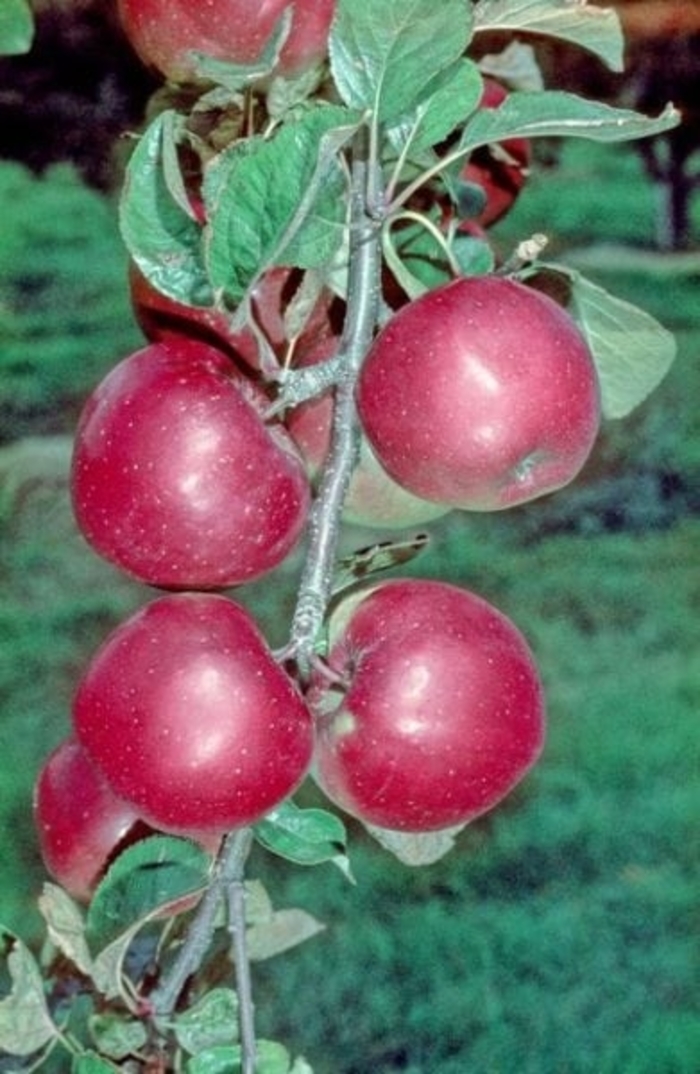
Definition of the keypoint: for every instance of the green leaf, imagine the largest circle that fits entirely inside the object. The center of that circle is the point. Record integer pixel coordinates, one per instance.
(363, 563)
(272, 1058)
(278, 201)
(384, 56)
(283, 930)
(25, 1022)
(144, 878)
(16, 27)
(556, 113)
(65, 923)
(594, 28)
(452, 96)
(416, 848)
(304, 836)
(209, 1023)
(117, 1037)
(632, 351)
(234, 77)
(161, 236)
(91, 1063)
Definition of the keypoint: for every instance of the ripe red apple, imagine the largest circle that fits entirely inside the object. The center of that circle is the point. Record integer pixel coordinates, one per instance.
(79, 819)
(481, 394)
(175, 477)
(501, 170)
(165, 32)
(189, 718)
(442, 713)
(160, 317)
(373, 498)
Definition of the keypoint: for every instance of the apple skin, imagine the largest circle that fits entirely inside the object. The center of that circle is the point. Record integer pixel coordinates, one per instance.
(481, 394)
(163, 32)
(501, 170)
(373, 499)
(78, 818)
(176, 479)
(443, 712)
(189, 718)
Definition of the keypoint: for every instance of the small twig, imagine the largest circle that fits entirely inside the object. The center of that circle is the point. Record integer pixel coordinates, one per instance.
(236, 895)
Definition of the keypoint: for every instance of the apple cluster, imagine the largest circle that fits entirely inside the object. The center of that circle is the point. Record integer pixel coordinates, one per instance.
(427, 708)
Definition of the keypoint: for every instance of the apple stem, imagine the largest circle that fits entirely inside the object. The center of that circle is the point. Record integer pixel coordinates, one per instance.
(236, 896)
(227, 873)
(362, 311)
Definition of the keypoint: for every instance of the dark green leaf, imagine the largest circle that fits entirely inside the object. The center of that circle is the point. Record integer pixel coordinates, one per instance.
(161, 236)
(146, 876)
(593, 27)
(16, 27)
(90, 1063)
(117, 1037)
(278, 201)
(447, 102)
(209, 1023)
(385, 56)
(304, 836)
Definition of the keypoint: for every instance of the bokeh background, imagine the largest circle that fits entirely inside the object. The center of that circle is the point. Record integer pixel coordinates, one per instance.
(561, 934)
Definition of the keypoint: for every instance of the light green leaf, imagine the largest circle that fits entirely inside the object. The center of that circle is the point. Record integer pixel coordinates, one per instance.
(25, 1022)
(555, 113)
(278, 201)
(632, 351)
(161, 236)
(91, 1063)
(66, 926)
(283, 930)
(304, 836)
(416, 848)
(384, 56)
(209, 1023)
(16, 27)
(272, 1058)
(590, 26)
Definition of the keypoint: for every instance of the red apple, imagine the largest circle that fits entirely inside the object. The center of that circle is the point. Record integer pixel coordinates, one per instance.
(481, 394)
(373, 499)
(79, 819)
(442, 712)
(165, 32)
(501, 170)
(175, 477)
(189, 718)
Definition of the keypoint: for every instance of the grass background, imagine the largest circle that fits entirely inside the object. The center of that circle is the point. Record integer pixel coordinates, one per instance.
(560, 936)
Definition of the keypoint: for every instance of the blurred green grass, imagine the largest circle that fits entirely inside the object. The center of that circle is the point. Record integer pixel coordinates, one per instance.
(558, 938)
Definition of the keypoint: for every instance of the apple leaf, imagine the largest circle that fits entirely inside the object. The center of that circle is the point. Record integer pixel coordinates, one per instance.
(385, 56)
(66, 926)
(162, 238)
(208, 1023)
(283, 930)
(453, 95)
(146, 876)
(594, 28)
(556, 113)
(271, 1058)
(91, 1063)
(632, 351)
(116, 1036)
(25, 1022)
(304, 836)
(16, 27)
(416, 848)
(277, 201)
(365, 562)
